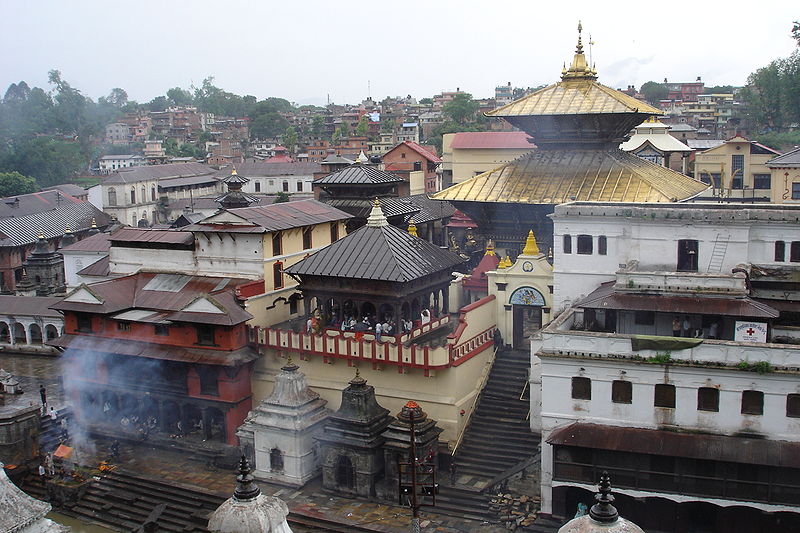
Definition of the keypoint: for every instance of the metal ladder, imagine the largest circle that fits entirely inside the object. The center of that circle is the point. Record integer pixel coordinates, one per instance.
(718, 253)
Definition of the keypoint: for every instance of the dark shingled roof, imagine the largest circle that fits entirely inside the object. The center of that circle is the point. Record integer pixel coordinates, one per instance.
(169, 236)
(29, 305)
(383, 253)
(93, 243)
(265, 169)
(37, 202)
(430, 210)
(392, 207)
(23, 229)
(359, 175)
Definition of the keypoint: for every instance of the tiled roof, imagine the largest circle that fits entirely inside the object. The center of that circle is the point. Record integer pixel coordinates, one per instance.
(790, 159)
(68, 188)
(28, 305)
(21, 230)
(334, 159)
(170, 293)
(93, 243)
(37, 202)
(433, 158)
(383, 253)
(703, 144)
(159, 172)
(359, 175)
(492, 140)
(185, 181)
(557, 176)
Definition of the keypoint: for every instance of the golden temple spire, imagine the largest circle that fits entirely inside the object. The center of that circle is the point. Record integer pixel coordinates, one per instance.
(233, 171)
(531, 248)
(579, 69)
(412, 229)
(489, 247)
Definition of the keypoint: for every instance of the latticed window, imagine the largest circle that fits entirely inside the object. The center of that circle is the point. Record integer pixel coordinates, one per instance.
(345, 473)
(708, 399)
(752, 402)
(581, 388)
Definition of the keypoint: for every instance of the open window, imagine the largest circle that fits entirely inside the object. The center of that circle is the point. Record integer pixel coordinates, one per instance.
(687, 255)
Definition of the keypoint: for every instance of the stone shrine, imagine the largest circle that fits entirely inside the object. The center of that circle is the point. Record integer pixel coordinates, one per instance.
(279, 433)
(351, 447)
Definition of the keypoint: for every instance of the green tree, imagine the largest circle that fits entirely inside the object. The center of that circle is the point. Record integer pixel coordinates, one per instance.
(52, 159)
(426, 101)
(363, 126)
(796, 32)
(772, 94)
(654, 92)
(317, 125)
(179, 97)
(290, 138)
(461, 109)
(267, 126)
(14, 183)
(170, 146)
(159, 103)
(280, 198)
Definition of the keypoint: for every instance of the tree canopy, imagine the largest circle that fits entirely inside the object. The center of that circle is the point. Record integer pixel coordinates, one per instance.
(654, 92)
(14, 183)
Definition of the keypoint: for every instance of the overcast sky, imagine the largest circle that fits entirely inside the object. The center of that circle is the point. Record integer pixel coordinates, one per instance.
(306, 50)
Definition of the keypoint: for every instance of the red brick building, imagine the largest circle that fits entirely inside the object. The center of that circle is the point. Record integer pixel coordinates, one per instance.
(409, 156)
(165, 354)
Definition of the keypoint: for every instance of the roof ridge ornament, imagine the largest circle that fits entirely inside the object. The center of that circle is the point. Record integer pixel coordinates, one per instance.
(579, 69)
(531, 248)
(377, 219)
(489, 247)
(604, 510)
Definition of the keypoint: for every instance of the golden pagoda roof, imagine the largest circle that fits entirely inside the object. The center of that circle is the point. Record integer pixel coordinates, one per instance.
(558, 176)
(577, 93)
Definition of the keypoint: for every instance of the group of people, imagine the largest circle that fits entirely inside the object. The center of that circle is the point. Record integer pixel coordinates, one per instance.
(142, 425)
(683, 328)
(387, 327)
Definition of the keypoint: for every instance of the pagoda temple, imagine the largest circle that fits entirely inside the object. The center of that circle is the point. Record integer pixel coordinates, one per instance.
(577, 125)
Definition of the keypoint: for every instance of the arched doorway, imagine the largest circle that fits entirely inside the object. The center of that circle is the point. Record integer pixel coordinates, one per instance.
(345, 473)
(276, 460)
(50, 332)
(527, 304)
(5, 335)
(36, 334)
(19, 334)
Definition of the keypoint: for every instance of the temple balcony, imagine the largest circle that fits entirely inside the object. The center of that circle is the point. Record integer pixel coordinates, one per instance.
(635, 278)
(445, 341)
(566, 337)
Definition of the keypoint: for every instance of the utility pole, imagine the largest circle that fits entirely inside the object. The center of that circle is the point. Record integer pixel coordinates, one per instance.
(413, 451)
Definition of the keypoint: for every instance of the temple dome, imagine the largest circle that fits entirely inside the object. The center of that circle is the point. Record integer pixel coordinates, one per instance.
(249, 511)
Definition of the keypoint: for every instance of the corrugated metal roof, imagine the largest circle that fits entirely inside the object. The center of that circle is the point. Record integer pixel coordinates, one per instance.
(572, 97)
(21, 230)
(136, 292)
(359, 175)
(433, 158)
(167, 183)
(156, 351)
(492, 140)
(37, 202)
(167, 236)
(274, 217)
(558, 176)
(743, 450)
(98, 242)
(790, 159)
(383, 253)
(703, 144)
(101, 267)
(266, 169)
(28, 305)
(606, 298)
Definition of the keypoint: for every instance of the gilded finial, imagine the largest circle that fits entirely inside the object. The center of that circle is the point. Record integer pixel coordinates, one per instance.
(579, 68)
(579, 49)
(531, 248)
(40, 236)
(412, 229)
(233, 171)
(489, 247)
(358, 374)
(376, 217)
(94, 223)
(68, 229)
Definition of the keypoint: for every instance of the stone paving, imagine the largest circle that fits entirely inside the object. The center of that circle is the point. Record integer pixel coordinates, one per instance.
(181, 470)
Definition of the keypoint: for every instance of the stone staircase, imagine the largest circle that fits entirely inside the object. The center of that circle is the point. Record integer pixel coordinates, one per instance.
(498, 436)
(50, 430)
(497, 440)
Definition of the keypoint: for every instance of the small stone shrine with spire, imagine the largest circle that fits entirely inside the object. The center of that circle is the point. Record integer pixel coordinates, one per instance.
(44, 269)
(249, 511)
(279, 433)
(603, 516)
(577, 125)
(397, 448)
(476, 286)
(235, 197)
(523, 291)
(351, 446)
